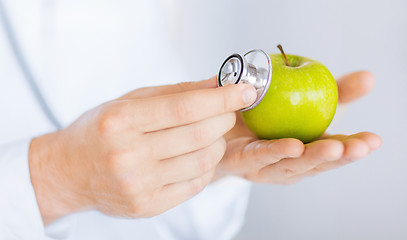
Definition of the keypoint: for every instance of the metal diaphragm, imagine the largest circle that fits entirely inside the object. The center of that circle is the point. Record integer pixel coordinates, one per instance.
(252, 68)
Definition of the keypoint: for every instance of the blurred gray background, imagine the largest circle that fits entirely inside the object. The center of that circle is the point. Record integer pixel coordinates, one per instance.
(364, 200)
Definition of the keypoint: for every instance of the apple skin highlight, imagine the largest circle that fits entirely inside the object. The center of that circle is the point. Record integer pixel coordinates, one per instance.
(300, 102)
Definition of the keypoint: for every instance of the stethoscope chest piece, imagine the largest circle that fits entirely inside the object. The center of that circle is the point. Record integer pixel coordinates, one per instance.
(252, 68)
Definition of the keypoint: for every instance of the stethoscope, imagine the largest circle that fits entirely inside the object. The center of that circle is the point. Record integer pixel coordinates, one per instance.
(254, 68)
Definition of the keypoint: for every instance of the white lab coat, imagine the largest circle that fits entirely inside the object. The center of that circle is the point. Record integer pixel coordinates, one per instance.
(82, 53)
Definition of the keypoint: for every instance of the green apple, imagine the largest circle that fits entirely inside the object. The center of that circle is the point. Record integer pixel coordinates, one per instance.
(300, 101)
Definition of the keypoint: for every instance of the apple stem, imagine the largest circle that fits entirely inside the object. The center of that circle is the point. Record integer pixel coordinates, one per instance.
(285, 56)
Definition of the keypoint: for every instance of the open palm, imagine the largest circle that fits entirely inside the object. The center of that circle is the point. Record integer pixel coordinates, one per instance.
(286, 161)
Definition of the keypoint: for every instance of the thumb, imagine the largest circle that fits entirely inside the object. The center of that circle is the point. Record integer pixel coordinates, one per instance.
(170, 89)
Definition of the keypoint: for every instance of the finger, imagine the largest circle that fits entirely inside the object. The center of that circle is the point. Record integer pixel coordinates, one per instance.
(373, 140)
(176, 193)
(355, 85)
(152, 114)
(191, 165)
(251, 156)
(170, 89)
(315, 153)
(323, 168)
(356, 146)
(188, 138)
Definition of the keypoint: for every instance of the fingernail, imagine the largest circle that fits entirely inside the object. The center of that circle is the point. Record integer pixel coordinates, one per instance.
(249, 95)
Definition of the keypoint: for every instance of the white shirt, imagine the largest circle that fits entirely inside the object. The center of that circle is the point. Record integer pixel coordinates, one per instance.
(82, 53)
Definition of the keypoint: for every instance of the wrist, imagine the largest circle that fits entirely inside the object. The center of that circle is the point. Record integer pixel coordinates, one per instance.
(50, 178)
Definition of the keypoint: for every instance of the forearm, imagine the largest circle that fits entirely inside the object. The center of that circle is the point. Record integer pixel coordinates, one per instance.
(52, 185)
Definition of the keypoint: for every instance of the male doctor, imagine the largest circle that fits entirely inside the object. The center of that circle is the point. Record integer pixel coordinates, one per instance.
(82, 159)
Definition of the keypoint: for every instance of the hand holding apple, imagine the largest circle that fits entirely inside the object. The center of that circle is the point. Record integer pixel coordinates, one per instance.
(300, 101)
(288, 160)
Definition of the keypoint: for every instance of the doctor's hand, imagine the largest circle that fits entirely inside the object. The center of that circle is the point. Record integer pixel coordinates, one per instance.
(287, 161)
(138, 155)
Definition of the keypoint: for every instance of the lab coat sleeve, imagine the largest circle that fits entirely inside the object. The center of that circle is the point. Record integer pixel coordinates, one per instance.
(217, 213)
(20, 217)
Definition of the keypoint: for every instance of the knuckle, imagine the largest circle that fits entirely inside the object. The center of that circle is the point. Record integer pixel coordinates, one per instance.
(114, 162)
(196, 186)
(109, 121)
(218, 151)
(288, 173)
(231, 119)
(139, 205)
(134, 191)
(184, 86)
(210, 156)
(254, 177)
(292, 147)
(183, 110)
(125, 160)
(316, 170)
(225, 103)
(127, 186)
(227, 121)
(221, 145)
(201, 134)
(134, 210)
(205, 162)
